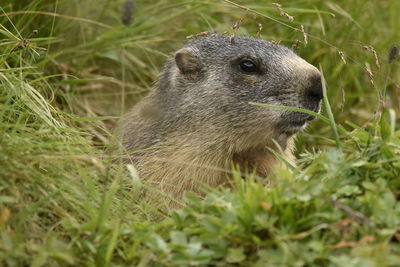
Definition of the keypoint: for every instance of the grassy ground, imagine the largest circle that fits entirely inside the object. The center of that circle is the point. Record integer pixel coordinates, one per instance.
(69, 69)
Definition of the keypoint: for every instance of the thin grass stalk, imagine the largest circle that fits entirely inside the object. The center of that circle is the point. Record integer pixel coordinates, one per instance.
(329, 111)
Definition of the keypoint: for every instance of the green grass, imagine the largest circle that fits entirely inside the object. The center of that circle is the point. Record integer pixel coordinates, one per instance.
(62, 89)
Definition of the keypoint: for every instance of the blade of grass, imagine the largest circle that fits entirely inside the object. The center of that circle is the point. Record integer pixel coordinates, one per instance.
(57, 15)
(329, 110)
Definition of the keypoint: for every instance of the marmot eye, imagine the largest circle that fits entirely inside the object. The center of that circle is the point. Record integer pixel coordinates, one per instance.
(248, 67)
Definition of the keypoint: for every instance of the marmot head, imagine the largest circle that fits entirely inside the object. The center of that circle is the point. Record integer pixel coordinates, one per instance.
(209, 82)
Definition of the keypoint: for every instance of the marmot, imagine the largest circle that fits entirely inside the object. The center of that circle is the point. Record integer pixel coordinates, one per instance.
(197, 120)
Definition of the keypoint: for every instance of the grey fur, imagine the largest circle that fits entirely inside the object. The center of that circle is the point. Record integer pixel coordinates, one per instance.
(198, 115)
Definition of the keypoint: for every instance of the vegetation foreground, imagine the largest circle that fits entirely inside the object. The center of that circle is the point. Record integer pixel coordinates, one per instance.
(69, 70)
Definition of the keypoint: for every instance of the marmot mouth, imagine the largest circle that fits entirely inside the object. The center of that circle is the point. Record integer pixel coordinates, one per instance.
(294, 127)
(302, 121)
(297, 118)
(295, 122)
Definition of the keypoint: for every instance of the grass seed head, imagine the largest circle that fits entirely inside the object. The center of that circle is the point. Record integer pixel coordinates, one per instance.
(342, 56)
(304, 35)
(260, 27)
(373, 51)
(296, 45)
(393, 53)
(127, 12)
(283, 13)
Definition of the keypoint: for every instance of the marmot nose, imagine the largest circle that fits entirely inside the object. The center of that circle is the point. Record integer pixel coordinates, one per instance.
(314, 92)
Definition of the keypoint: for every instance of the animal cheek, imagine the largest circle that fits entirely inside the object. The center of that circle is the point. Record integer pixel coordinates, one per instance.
(150, 112)
(270, 115)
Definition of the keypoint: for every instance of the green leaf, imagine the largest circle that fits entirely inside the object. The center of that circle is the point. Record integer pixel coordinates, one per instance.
(235, 255)
(384, 125)
(178, 238)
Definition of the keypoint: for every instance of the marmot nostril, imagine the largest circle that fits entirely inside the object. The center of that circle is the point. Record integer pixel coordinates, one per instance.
(315, 90)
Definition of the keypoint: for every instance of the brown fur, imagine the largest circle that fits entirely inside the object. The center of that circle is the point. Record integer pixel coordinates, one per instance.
(197, 122)
(191, 161)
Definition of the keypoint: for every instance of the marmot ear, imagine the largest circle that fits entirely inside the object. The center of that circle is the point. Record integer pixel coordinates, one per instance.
(187, 61)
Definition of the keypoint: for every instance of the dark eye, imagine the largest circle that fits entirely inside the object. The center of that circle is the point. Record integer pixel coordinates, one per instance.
(248, 67)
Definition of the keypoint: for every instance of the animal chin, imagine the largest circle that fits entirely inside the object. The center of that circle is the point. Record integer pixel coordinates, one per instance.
(293, 128)
(294, 122)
